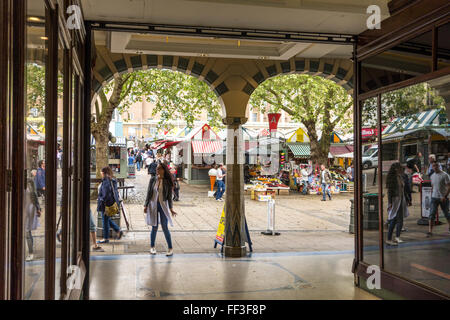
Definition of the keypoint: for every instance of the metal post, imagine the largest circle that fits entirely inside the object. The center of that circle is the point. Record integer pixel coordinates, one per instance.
(270, 219)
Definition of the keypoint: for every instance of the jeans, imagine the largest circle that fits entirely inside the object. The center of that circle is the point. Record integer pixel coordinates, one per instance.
(166, 231)
(435, 203)
(138, 164)
(220, 189)
(176, 193)
(29, 237)
(305, 187)
(398, 220)
(325, 189)
(107, 222)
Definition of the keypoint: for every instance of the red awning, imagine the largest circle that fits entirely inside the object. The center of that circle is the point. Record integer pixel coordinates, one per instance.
(170, 144)
(158, 144)
(206, 146)
(337, 150)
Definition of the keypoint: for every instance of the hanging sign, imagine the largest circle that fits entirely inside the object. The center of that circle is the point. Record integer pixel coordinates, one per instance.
(273, 120)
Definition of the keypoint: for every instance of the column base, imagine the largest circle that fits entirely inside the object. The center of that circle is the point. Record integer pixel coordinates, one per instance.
(235, 252)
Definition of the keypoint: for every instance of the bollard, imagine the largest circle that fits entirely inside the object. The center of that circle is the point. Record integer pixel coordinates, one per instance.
(270, 219)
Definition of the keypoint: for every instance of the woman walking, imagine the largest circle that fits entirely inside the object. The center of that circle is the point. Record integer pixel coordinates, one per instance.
(397, 204)
(33, 210)
(108, 194)
(159, 205)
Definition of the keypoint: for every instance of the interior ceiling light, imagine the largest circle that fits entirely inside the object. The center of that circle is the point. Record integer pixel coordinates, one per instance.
(203, 54)
(44, 38)
(264, 57)
(34, 19)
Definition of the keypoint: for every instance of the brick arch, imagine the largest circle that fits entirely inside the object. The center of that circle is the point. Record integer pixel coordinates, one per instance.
(339, 71)
(109, 65)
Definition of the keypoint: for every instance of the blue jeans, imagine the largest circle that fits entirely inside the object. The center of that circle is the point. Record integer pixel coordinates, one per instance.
(166, 231)
(397, 221)
(220, 189)
(325, 189)
(138, 164)
(435, 203)
(107, 222)
(305, 187)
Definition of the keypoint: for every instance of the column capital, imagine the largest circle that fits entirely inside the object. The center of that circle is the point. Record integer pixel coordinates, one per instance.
(234, 121)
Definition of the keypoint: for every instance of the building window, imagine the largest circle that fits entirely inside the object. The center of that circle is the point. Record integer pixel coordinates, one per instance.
(254, 117)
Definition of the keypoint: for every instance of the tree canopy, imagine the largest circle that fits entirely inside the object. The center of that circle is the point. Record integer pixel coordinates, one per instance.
(319, 104)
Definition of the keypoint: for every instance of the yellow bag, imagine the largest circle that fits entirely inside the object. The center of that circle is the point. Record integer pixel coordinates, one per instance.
(112, 210)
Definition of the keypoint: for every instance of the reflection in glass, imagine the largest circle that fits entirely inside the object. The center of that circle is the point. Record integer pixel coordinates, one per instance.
(370, 224)
(411, 142)
(402, 62)
(443, 51)
(34, 200)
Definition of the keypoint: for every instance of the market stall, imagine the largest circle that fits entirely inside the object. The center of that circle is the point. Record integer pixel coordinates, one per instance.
(202, 145)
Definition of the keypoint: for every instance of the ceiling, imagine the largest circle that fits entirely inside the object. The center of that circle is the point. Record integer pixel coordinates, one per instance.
(325, 16)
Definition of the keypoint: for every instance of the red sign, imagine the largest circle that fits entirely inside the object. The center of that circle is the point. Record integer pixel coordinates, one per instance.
(368, 132)
(273, 120)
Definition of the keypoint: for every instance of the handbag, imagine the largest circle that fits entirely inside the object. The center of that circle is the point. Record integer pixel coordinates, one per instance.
(111, 211)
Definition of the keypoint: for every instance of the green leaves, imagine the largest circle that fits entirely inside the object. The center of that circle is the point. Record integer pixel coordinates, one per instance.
(176, 96)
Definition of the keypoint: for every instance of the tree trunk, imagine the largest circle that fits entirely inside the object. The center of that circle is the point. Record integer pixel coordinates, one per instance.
(101, 150)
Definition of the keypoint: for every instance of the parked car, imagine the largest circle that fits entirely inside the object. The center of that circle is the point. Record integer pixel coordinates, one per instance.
(370, 158)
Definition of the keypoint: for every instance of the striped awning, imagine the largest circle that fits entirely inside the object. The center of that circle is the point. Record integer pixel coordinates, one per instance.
(300, 150)
(412, 122)
(206, 146)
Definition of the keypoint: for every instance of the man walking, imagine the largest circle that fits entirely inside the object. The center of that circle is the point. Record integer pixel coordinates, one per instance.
(220, 184)
(325, 179)
(39, 180)
(440, 182)
(152, 166)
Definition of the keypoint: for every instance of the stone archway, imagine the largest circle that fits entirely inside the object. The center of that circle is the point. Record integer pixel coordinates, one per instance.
(233, 81)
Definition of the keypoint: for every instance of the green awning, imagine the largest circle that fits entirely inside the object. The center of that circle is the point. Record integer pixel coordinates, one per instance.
(300, 150)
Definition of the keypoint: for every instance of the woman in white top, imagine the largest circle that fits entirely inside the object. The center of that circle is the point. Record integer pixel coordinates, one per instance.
(159, 206)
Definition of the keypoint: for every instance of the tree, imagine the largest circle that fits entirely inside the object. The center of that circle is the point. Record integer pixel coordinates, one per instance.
(317, 103)
(178, 96)
(405, 102)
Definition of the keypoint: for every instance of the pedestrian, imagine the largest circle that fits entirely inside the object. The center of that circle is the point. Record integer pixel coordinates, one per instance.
(176, 186)
(304, 180)
(431, 160)
(92, 229)
(138, 161)
(39, 179)
(220, 183)
(350, 172)
(212, 173)
(131, 160)
(440, 183)
(33, 213)
(151, 167)
(406, 181)
(397, 204)
(415, 166)
(159, 206)
(108, 194)
(325, 179)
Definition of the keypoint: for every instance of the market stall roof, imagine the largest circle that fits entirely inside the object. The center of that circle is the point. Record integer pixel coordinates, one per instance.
(346, 155)
(300, 150)
(169, 144)
(198, 133)
(120, 142)
(337, 150)
(298, 135)
(415, 121)
(206, 146)
(443, 131)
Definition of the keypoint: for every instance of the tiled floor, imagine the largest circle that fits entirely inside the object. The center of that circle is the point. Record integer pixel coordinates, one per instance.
(314, 275)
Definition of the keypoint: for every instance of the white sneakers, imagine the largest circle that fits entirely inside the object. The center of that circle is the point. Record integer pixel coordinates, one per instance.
(398, 240)
(391, 243)
(168, 253)
(29, 257)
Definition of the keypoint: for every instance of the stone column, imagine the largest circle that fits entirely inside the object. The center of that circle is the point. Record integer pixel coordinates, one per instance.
(235, 236)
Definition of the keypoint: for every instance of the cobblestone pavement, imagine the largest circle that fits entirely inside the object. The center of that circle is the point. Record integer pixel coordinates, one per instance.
(305, 222)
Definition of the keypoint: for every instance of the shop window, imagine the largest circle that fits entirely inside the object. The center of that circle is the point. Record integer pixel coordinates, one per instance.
(402, 62)
(370, 172)
(443, 51)
(408, 204)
